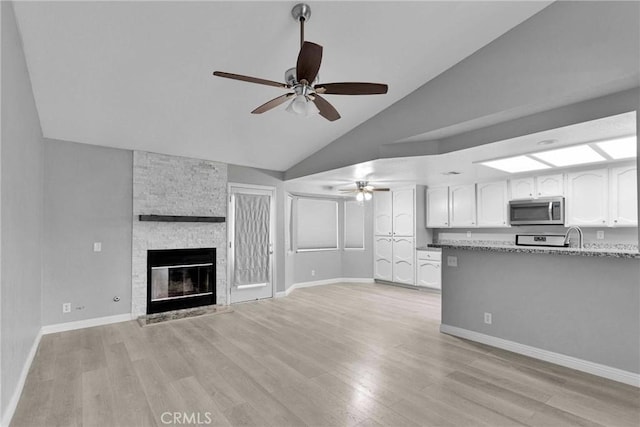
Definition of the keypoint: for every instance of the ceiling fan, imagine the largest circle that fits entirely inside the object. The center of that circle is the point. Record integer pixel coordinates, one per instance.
(303, 80)
(363, 190)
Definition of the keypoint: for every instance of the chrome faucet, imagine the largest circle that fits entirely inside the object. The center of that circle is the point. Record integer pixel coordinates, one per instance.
(580, 236)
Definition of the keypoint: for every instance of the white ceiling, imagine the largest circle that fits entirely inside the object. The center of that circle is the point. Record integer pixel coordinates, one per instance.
(137, 75)
(429, 170)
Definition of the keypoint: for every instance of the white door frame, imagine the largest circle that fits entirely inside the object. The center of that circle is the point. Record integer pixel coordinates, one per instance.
(230, 226)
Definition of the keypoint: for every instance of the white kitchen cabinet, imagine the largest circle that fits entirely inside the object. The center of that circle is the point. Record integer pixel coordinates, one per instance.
(462, 205)
(429, 266)
(402, 212)
(623, 193)
(522, 188)
(550, 185)
(437, 207)
(383, 258)
(587, 198)
(382, 206)
(403, 260)
(492, 204)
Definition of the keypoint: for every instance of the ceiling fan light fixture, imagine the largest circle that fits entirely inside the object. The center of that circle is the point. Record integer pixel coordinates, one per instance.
(302, 106)
(360, 196)
(367, 195)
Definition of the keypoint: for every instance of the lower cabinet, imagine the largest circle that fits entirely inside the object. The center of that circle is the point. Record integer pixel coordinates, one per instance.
(429, 269)
(394, 259)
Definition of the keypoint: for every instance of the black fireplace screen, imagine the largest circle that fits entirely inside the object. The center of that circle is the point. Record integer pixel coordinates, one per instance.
(180, 278)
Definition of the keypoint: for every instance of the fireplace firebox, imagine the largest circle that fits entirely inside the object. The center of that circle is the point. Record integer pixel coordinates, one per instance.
(180, 278)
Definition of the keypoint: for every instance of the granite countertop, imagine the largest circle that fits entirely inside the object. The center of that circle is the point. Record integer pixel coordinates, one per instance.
(627, 251)
(428, 248)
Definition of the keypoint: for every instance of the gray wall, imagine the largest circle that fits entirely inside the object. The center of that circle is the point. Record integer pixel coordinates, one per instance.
(585, 307)
(21, 218)
(246, 175)
(339, 263)
(88, 198)
(567, 53)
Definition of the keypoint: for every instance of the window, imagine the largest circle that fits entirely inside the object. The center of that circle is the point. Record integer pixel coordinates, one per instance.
(353, 225)
(317, 224)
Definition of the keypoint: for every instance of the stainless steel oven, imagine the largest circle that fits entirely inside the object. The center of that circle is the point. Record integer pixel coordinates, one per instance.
(543, 211)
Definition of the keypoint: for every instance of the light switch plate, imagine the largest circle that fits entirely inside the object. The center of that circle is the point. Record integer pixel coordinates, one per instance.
(452, 261)
(600, 234)
(97, 246)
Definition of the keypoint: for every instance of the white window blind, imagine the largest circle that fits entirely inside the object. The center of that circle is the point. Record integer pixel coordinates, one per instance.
(317, 224)
(353, 225)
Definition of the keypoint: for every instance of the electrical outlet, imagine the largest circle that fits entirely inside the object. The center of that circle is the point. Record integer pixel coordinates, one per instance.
(97, 246)
(600, 234)
(66, 307)
(313, 272)
(452, 261)
(468, 234)
(487, 318)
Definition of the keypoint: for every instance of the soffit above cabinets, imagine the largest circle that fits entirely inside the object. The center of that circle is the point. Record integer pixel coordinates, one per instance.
(461, 167)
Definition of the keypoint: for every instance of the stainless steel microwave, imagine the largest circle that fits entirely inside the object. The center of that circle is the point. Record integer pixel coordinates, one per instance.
(543, 211)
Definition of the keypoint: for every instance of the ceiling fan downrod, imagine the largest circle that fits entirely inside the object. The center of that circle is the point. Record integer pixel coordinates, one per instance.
(301, 13)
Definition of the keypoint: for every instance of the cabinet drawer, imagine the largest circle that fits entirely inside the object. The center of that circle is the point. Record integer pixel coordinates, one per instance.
(430, 255)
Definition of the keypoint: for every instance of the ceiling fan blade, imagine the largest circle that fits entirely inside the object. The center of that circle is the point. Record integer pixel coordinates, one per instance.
(351, 88)
(381, 189)
(326, 110)
(250, 79)
(273, 103)
(309, 60)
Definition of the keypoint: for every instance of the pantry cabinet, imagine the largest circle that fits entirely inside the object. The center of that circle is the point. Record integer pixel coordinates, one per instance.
(402, 212)
(382, 261)
(382, 207)
(403, 260)
(623, 195)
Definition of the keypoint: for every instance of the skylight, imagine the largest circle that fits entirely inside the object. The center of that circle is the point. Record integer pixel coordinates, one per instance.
(570, 156)
(620, 148)
(516, 164)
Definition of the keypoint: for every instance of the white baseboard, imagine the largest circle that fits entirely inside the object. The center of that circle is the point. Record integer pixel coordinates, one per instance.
(13, 403)
(600, 370)
(323, 282)
(88, 323)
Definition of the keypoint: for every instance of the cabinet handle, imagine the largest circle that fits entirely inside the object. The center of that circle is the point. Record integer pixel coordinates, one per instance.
(604, 222)
(615, 220)
(530, 194)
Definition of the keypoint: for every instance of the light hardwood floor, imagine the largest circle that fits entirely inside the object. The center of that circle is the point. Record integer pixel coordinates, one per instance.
(335, 355)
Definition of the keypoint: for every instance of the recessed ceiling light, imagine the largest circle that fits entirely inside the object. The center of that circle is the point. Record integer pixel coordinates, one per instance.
(547, 142)
(516, 164)
(620, 148)
(569, 156)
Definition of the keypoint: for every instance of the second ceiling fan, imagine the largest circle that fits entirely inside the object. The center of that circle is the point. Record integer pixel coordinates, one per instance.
(303, 80)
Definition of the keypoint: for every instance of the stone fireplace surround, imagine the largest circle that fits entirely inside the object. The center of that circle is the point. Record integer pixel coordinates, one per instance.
(171, 185)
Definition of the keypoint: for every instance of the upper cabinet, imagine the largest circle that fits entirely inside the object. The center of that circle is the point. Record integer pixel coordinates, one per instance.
(522, 188)
(382, 206)
(402, 212)
(492, 204)
(550, 185)
(437, 207)
(539, 186)
(623, 195)
(587, 198)
(462, 205)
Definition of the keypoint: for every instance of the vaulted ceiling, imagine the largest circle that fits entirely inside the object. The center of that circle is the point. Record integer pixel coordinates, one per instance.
(138, 75)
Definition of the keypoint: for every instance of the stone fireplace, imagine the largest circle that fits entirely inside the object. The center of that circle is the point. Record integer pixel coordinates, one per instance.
(171, 185)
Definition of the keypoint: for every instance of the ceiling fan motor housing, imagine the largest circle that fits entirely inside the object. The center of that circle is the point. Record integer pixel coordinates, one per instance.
(301, 11)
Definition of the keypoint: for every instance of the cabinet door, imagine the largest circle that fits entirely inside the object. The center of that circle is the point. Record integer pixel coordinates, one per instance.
(437, 207)
(624, 196)
(586, 203)
(403, 260)
(382, 261)
(550, 185)
(403, 201)
(382, 213)
(492, 204)
(462, 205)
(522, 188)
(429, 274)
